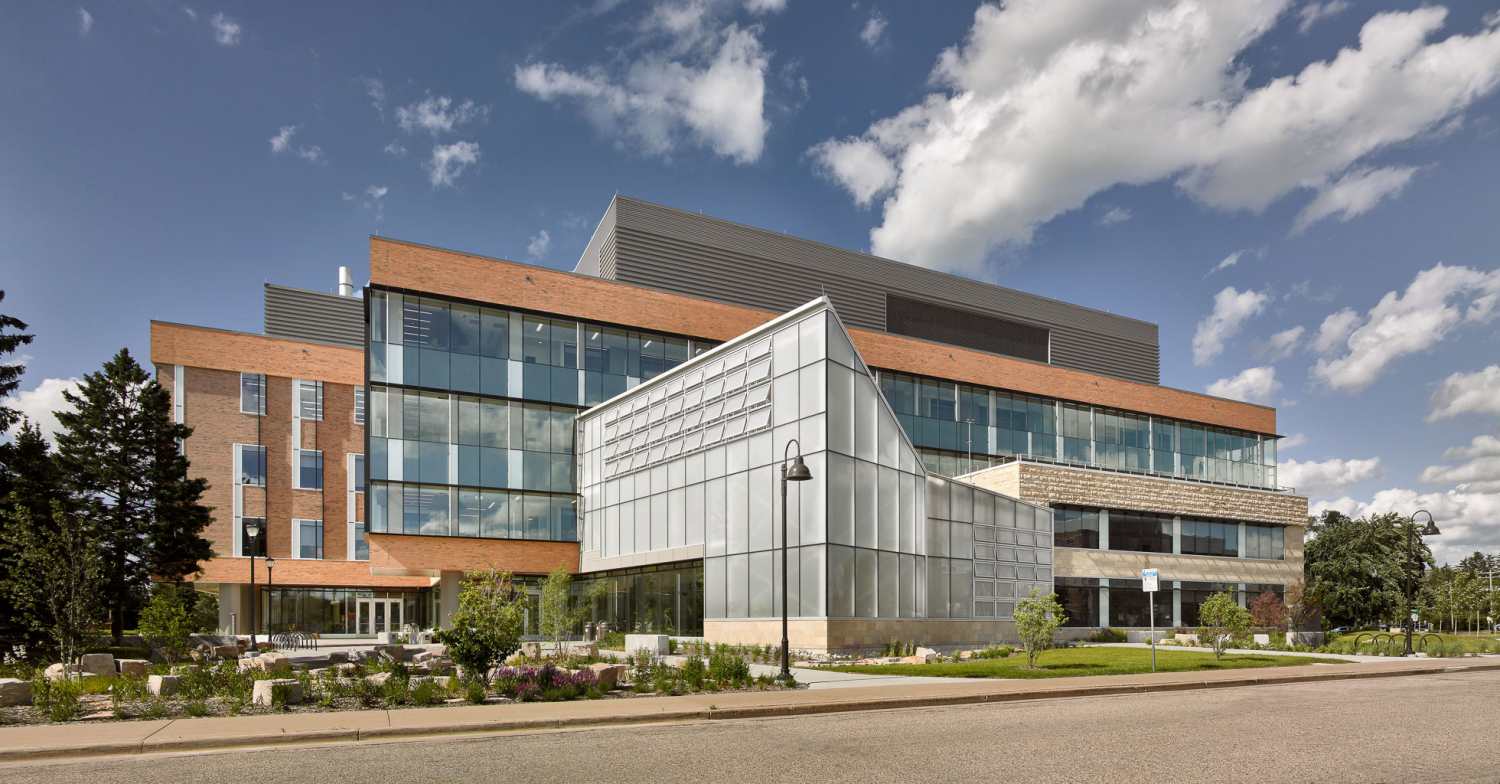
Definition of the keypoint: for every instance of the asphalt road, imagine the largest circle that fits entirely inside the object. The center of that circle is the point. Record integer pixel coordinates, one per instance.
(1436, 728)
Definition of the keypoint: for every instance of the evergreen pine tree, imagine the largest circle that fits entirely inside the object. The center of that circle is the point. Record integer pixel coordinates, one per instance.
(118, 448)
(29, 480)
(10, 374)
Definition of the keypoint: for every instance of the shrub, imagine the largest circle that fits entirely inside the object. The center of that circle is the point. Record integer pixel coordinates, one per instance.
(366, 692)
(395, 691)
(613, 641)
(165, 623)
(1108, 635)
(1221, 621)
(1037, 619)
(488, 625)
(195, 708)
(994, 652)
(475, 692)
(156, 707)
(728, 669)
(694, 671)
(57, 699)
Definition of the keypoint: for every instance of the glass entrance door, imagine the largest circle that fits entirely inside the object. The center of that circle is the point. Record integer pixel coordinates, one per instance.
(377, 616)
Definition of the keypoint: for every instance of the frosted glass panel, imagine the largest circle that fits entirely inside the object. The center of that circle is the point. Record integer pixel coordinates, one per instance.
(889, 486)
(713, 587)
(812, 395)
(938, 532)
(627, 528)
(714, 514)
(962, 538)
(812, 506)
(813, 434)
(812, 338)
(784, 355)
(737, 585)
(786, 393)
(812, 580)
(937, 498)
(984, 508)
(658, 522)
(866, 430)
(737, 512)
(1043, 518)
(839, 348)
(890, 441)
(760, 584)
(677, 517)
(765, 497)
(840, 581)
(866, 576)
(961, 595)
(1005, 513)
(908, 586)
(961, 505)
(866, 501)
(840, 409)
(937, 587)
(909, 519)
(695, 514)
(840, 499)
(888, 602)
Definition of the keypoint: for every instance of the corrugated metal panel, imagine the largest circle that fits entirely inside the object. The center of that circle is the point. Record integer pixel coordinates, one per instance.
(601, 244)
(316, 316)
(699, 256)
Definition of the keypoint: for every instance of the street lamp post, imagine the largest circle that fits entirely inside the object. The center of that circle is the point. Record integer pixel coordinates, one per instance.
(1411, 528)
(252, 530)
(797, 473)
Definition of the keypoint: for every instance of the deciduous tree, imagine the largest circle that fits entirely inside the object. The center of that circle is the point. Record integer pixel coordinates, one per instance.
(1037, 621)
(57, 575)
(1358, 567)
(488, 625)
(1221, 621)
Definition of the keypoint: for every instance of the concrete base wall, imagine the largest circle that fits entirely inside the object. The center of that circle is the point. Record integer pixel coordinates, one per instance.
(864, 634)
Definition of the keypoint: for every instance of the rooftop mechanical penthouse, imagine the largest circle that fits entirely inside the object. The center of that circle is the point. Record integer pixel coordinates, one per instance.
(967, 443)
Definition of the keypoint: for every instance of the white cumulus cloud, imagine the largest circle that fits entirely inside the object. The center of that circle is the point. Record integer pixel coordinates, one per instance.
(1467, 518)
(1436, 302)
(438, 114)
(85, 21)
(539, 244)
(1356, 193)
(1479, 473)
(282, 142)
(40, 403)
(1113, 216)
(1310, 14)
(873, 33)
(1293, 440)
(1323, 478)
(690, 79)
(1231, 309)
(1047, 103)
(450, 160)
(1280, 346)
(1467, 393)
(1252, 385)
(226, 30)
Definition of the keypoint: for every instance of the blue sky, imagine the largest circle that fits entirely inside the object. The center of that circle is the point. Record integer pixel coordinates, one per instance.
(162, 160)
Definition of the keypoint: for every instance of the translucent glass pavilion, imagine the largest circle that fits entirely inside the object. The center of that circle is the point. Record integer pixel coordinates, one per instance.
(685, 466)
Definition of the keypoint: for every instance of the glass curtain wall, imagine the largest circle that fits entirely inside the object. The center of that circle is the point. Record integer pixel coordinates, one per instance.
(960, 428)
(471, 410)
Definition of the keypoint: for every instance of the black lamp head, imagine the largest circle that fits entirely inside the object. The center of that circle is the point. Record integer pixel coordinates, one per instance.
(798, 472)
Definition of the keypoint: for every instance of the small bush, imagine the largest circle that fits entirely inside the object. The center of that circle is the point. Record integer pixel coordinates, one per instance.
(1108, 635)
(993, 652)
(156, 708)
(728, 669)
(476, 692)
(366, 692)
(694, 671)
(613, 641)
(57, 699)
(425, 693)
(195, 708)
(395, 691)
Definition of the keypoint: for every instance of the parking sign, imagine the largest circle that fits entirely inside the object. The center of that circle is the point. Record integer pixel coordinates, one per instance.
(1149, 580)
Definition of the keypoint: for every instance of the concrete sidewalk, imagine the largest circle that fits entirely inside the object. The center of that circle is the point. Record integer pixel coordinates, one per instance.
(148, 737)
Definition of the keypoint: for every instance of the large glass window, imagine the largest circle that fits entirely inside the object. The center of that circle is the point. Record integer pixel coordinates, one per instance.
(1193, 595)
(359, 474)
(1265, 541)
(1210, 537)
(309, 538)
(310, 400)
(359, 405)
(252, 465)
(252, 393)
(1075, 527)
(309, 469)
(1140, 532)
(1079, 597)
(1130, 607)
(361, 541)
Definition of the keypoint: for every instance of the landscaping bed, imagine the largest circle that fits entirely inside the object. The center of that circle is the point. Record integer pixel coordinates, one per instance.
(1074, 662)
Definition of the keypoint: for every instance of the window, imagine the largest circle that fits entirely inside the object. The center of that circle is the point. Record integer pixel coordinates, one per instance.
(1210, 537)
(359, 405)
(252, 464)
(1075, 527)
(1079, 597)
(309, 538)
(1195, 594)
(1131, 607)
(309, 469)
(310, 400)
(1265, 541)
(358, 480)
(1140, 532)
(359, 543)
(252, 394)
(257, 545)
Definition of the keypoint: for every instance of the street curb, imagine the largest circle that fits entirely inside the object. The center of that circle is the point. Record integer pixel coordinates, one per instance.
(835, 705)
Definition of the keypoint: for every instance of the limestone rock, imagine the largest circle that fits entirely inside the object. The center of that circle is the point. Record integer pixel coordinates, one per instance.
(658, 644)
(337, 657)
(609, 674)
(378, 678)
(583, 649)
(98, 664)
(225, 652)
(262, 693)
(56, 672)
(14, 692)
(163, 685)
(271, 662)
(531, 650)
(395, 652)
(134, 667)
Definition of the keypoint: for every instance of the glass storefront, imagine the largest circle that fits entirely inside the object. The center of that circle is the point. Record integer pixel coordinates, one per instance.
(345, 610)
(665, 599)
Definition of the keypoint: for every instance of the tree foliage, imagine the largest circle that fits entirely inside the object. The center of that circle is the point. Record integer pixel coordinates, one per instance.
(1221, 621)
(12, 337)
(119, 449)
(1037, 621)
(488, 625)
(29, 480)
(558, 610)
(57, 574)
(165, 622)
(1358, 567)
(1268, 612)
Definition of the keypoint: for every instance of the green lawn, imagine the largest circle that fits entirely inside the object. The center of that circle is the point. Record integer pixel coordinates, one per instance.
(1071, 662)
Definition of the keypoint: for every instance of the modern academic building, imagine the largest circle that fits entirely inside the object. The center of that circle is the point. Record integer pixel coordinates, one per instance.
(967, 444)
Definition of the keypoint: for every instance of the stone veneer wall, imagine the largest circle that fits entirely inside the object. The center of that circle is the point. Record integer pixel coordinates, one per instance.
(1058, 485)
(864, 634)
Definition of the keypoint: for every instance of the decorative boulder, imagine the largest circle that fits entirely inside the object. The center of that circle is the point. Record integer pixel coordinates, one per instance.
(378, 678)
(583, 649)
(395, 652)
(14, 692)
(271, 662)
(337, 657)
(609, 674)
(225, 652)
(658, 644)
(264, 694)
(56, 672)
(134, 667)
(98, 664)
(531, 650)
(163, 685)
